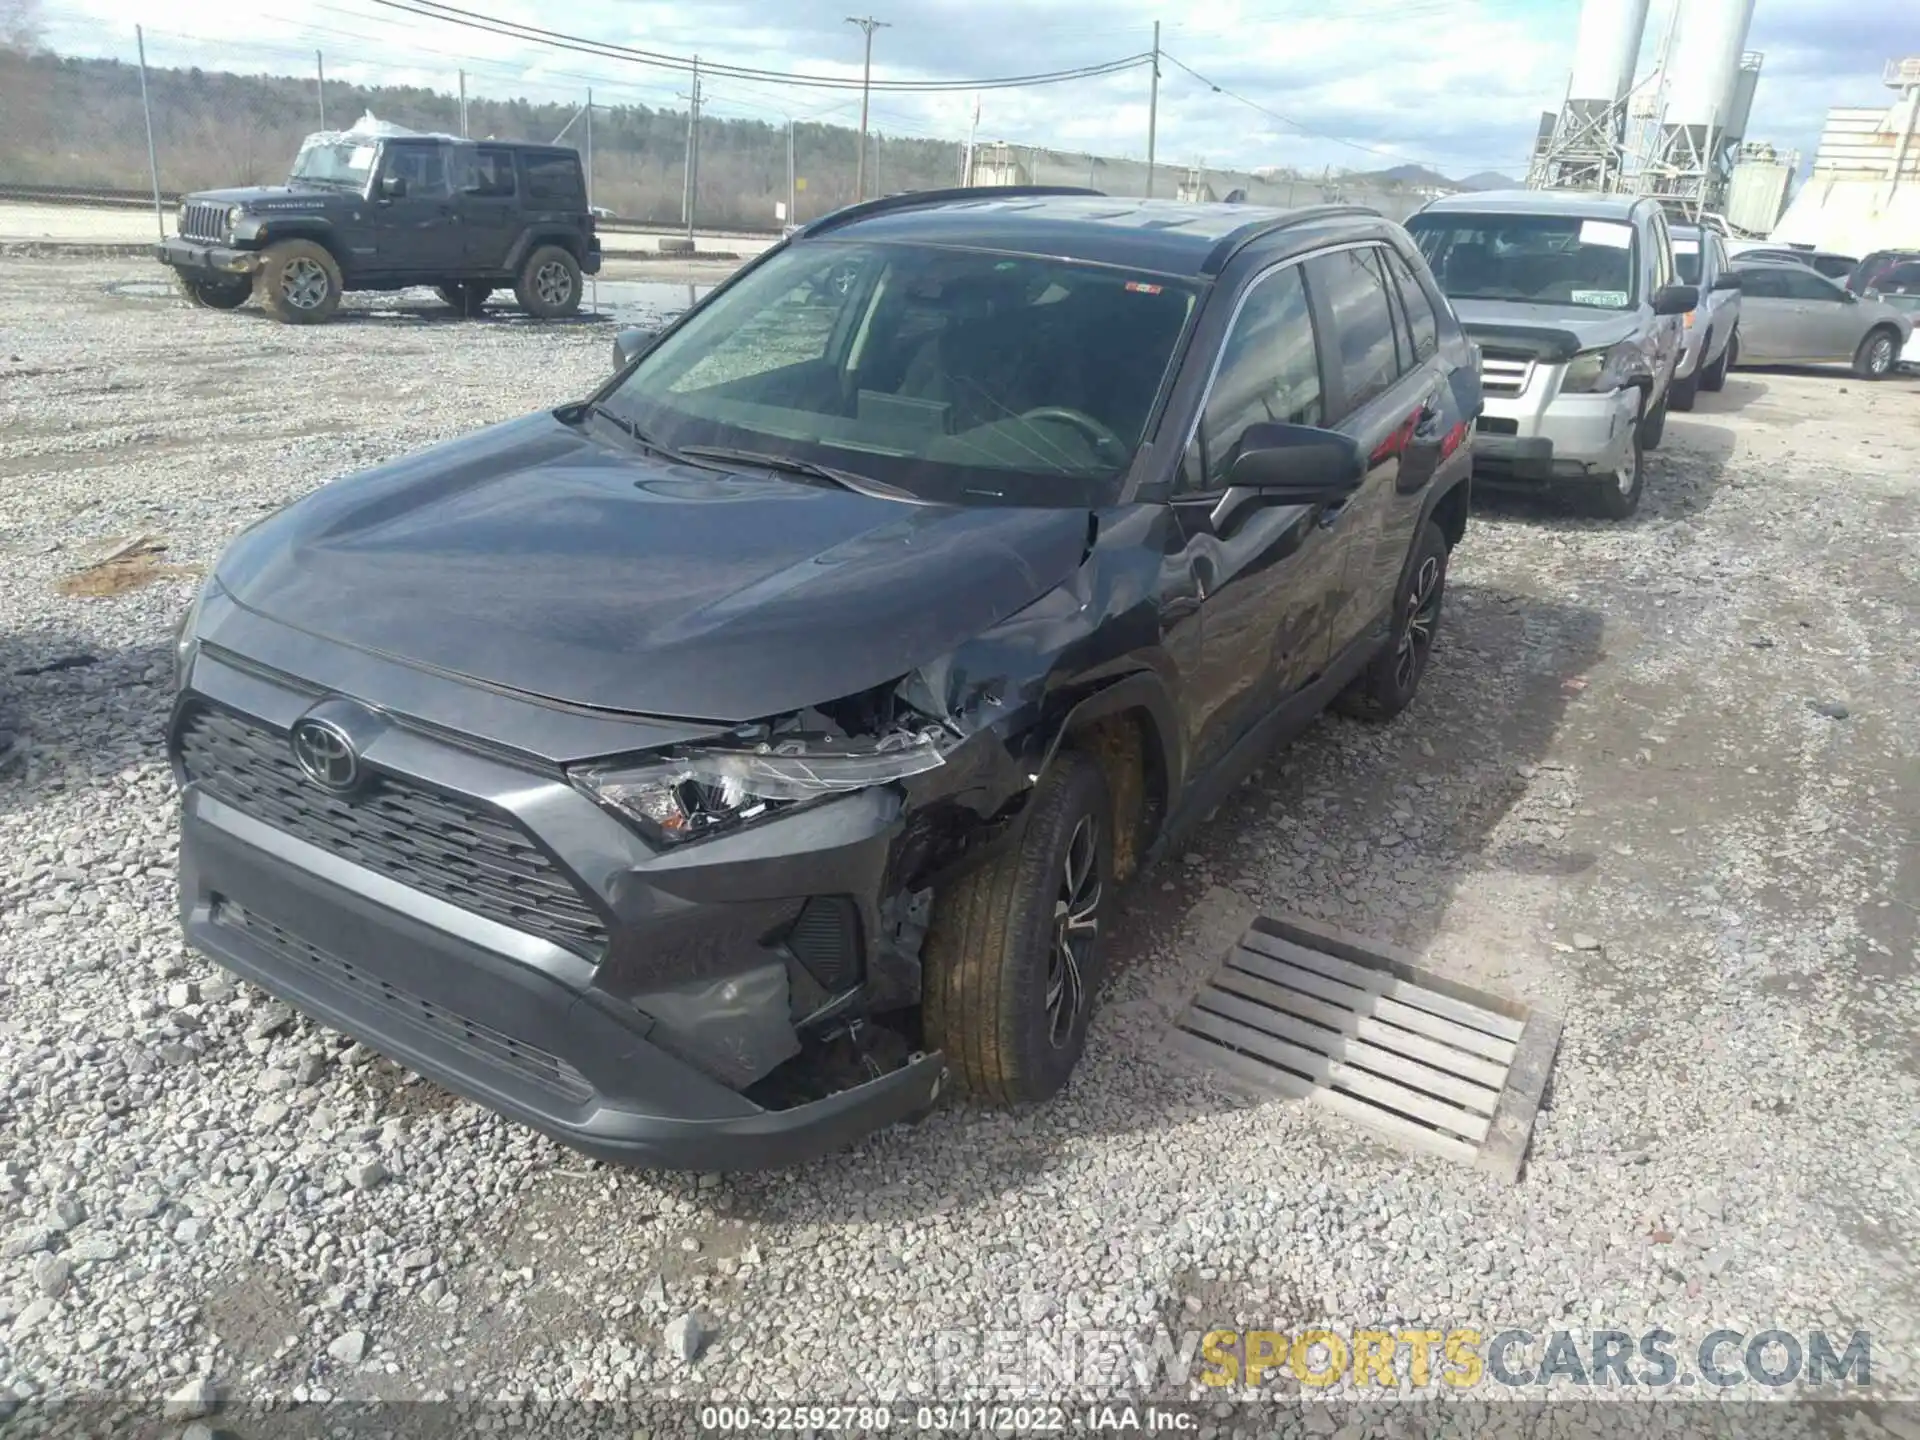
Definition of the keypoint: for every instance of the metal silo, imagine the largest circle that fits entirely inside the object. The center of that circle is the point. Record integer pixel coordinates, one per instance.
(1707, 92)
(1582, 150)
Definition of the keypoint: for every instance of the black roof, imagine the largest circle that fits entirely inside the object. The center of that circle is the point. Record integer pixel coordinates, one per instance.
(1166, 236)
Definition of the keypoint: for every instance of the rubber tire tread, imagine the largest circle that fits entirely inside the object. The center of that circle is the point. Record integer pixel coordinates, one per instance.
(985, 957)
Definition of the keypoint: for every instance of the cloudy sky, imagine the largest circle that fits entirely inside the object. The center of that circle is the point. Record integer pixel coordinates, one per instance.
(1454, 84)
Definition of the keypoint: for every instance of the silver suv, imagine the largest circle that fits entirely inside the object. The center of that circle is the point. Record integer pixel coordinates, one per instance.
(1709, 346)
(1576, 304)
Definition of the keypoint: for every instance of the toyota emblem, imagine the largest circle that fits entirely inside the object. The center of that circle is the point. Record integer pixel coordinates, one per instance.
(325, 755)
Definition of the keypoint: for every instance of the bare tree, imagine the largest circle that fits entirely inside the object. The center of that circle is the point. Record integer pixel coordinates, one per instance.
(20, 24)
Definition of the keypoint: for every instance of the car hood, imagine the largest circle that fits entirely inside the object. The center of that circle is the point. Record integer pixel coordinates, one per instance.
(535, 558)
(257, 197)
(1553, 332)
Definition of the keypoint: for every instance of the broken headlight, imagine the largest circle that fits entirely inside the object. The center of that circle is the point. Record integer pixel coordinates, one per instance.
(700, 792)
(1608, 368)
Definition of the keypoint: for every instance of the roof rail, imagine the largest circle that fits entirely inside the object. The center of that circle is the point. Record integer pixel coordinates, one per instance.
(1232, 243)
(914, 199)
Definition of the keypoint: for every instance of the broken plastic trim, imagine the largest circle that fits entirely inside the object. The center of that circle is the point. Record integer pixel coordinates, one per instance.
(699, 792)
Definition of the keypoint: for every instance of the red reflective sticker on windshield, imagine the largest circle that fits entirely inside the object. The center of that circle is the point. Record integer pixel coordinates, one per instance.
(1140, 287)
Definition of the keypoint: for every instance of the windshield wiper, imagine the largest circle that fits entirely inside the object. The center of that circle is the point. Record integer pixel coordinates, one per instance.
(640, 436)
(794, 465)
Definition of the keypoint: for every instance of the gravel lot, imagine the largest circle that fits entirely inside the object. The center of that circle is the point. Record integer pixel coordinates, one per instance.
(1618, 797)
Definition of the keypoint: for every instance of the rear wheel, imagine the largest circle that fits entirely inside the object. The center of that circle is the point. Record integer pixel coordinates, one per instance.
(1387, 685)
(465, 296)
(549, 283)
(299, 282)
(1013, 954)
(1877, 355)
(223, 293)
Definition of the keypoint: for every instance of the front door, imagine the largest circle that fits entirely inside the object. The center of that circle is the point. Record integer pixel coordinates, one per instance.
(1265, 574)
(416, 232)
(1826, 322)
(488, 195)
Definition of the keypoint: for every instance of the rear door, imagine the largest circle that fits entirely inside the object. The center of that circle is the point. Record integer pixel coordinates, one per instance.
(1266, 575)
(1384, 406)
(489, 197)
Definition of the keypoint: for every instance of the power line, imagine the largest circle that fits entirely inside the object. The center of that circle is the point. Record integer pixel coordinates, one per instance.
(512, 29)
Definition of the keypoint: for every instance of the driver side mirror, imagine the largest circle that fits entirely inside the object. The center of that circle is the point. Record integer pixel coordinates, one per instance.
(1675, 299)
(1728, 281)
(393, 187)
(631, 343)
(1297, 465)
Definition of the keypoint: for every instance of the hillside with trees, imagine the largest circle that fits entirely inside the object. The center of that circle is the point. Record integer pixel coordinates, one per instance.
(66, 121)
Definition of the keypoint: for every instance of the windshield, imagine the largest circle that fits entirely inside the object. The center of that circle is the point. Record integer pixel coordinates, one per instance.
(1537, 259)
(334, 162)
(1686, 256)
(956, 375)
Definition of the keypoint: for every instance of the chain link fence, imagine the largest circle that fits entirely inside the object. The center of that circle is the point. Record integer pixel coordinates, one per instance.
(128, 127)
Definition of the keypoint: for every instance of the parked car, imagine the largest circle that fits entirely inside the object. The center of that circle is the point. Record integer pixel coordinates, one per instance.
(386, 209)
(1791, 316)
(1709, 343)
(704, 771)
(1887, 272)
(1830, 263)
(1576, 303)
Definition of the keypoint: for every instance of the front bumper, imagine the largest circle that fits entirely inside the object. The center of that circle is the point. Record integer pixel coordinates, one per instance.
(632, 1041)
(1571, 439)
(205, 257)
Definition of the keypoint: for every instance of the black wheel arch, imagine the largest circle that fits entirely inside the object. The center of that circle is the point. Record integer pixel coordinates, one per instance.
(531, 239)
(319, 232)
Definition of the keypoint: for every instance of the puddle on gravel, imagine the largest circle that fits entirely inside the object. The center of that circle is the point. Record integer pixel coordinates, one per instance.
(622, 302)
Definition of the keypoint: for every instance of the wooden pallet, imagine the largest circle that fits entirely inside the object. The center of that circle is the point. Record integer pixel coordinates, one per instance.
(1303, 1010)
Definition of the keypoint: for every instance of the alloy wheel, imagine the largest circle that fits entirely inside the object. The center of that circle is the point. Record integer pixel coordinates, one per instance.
(1880, 357)
(303, 283)
(1076, 930)
(1423, 613)
(552, 283)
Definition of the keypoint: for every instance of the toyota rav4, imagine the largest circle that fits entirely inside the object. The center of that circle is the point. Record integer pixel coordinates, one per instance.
(707, 771)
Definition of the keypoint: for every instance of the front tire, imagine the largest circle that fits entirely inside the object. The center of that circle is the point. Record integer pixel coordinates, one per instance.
(212, 294)
(1877, 355)
(1653, 425)
(1681, 393)
(299, 283)
(1387, 685)
(549, 283)
(1715, 378)
(1014, 951)
(1618, 495)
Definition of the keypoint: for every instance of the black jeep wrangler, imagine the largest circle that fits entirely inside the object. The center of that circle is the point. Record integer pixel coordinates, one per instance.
(379, 210)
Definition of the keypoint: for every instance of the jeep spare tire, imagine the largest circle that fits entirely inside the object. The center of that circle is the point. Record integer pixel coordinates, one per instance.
(298, 283)
(216, 293)
(466, 296)
(549, 283)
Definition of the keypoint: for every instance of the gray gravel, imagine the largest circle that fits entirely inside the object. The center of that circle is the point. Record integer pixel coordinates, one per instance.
(1662, 780)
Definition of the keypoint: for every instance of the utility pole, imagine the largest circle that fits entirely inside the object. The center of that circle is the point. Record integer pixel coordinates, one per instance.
(867, 26)
(463, 104)
(589, 148)
(1153, 107)
(793, 199)
(693, 147)
(973, 129)
(320, 85)
(153, 156)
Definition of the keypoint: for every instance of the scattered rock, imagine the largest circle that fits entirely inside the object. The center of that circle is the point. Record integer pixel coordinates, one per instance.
(1584, 941)
(28, 1242)
(271, 1020)
(195, 1398)
(350, 1348)
(51, 1274)
(66, 1212)
(367, 1174)
(1832, 709)
(685, 1337)
(418, 1258)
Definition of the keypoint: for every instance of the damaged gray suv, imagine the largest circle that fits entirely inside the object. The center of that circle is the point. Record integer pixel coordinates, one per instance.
(706, 772)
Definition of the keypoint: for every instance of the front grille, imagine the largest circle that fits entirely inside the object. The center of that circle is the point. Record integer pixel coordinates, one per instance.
(826, 939)
(549, 1072)
(1503, 373)
(462, 852)
(199, 221)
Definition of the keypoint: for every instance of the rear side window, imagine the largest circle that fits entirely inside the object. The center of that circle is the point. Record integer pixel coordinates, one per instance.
(492, 172)
(1355, 299)
(555, 178)
(1269, 374)
(1420, 318)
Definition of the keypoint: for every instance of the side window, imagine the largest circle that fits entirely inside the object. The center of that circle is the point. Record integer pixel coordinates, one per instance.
(1355, 296)
(1269, 374)
(423, 167)
(555, 178)
(1663, 268)
(1805, 285)
(1420, 318)
(490, 172)
(1402, 339)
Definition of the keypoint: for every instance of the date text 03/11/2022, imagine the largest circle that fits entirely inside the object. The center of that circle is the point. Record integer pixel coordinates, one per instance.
(959, 1418)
